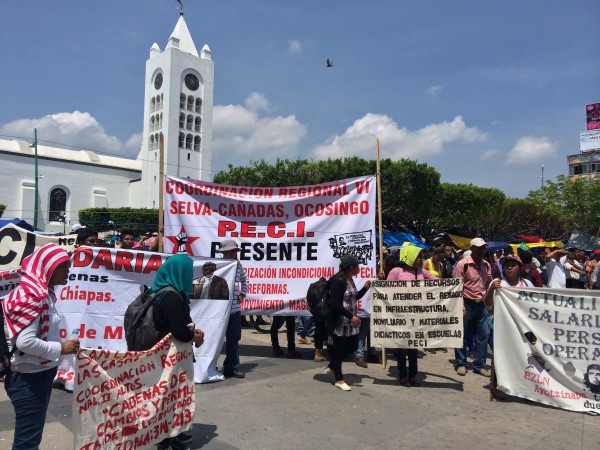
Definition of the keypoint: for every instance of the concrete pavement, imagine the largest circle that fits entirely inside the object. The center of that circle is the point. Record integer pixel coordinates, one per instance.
(290, 403)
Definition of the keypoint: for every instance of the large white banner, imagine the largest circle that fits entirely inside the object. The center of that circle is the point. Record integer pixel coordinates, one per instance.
(289, 236)
(16, 243)
(547, 346)
(102, 282)
(129, 400)
(417, 313)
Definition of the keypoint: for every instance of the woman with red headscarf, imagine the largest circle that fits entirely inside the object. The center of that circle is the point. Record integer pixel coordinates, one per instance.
(31, 324)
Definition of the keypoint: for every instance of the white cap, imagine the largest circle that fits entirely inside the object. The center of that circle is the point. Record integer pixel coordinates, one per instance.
(226, 246)
(477, 242)
(77, 227)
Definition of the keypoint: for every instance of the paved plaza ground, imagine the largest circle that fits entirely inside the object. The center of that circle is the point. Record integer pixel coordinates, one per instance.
(290, 404)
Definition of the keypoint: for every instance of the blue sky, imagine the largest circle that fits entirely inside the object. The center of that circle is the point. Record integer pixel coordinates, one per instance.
(485, 92)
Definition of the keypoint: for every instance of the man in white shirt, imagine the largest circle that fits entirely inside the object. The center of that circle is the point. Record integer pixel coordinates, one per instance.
(557, 277)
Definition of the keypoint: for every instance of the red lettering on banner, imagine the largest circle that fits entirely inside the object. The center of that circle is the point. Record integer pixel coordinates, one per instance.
(121, 260)
(224, 227)
(110, 333)
(362, 185)
(190, 208)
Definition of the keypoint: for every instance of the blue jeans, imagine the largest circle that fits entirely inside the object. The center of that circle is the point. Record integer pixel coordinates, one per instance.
(290, 324)
(306, 326)
(233, 334)
(365, 329)
(477, 322)
(29, 394)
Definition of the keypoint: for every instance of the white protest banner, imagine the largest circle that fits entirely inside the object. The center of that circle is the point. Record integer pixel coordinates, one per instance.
(102, 282)
(547, 346)
(417, 313)
(130, 400)
(289, 236)
(16, 243)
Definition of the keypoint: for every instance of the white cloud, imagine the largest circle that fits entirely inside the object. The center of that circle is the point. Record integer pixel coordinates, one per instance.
(242, 133)
(434, 91)
(488, 154)
(77, 129)
(396, 142)
(294, 46)
(257, 102)
(531, 149)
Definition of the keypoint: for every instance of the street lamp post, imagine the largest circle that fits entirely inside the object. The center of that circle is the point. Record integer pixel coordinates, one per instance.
(36, 194)
(63, 217)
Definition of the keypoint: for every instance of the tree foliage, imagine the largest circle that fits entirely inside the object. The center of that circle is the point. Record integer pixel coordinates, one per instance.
(572, 204)
(140, 220)
(2, 208)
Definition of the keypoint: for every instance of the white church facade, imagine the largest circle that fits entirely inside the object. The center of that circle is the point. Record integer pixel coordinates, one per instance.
(178, 102)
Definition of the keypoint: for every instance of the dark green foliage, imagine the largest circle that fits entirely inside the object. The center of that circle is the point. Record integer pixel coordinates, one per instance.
(140, 220)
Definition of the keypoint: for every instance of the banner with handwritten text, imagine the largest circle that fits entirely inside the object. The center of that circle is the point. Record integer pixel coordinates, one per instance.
(128, 400)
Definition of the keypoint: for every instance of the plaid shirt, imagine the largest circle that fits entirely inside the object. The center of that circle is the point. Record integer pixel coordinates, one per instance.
(344, 327)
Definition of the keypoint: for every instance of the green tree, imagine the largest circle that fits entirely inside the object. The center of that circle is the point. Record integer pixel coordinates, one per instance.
(574, 204)
(2, 208)
(476, 210)
(140, 220)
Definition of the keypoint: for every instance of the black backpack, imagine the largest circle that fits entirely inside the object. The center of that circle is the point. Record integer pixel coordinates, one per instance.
(317, 298)
(140, 330)
(5, 353)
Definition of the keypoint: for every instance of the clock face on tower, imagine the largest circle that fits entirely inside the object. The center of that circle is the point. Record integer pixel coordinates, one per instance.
(191, 82)
(158, 80)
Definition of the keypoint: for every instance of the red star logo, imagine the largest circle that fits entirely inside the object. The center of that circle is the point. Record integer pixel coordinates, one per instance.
(188, 244)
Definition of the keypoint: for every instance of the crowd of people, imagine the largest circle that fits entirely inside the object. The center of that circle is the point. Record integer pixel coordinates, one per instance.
(32, 323)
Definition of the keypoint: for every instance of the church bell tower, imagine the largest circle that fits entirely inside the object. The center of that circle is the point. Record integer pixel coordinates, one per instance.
(178, 102)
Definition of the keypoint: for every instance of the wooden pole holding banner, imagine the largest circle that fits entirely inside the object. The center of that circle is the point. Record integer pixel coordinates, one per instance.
(161, 180)
(379, 226)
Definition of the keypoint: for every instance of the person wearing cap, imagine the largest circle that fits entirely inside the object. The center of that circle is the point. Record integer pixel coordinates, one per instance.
(411, 260)
(591, 270)
(76, 227)
(476, 274)
(343, 323)
(233, 334)
(511, 276)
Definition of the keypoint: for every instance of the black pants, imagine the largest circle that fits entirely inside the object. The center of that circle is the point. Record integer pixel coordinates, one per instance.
(320, 334)
(290, 323)
(411, 354)
(342, 346)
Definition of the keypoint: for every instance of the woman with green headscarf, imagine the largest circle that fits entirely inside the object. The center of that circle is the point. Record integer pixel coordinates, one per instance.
(410, 268)
(172, 315)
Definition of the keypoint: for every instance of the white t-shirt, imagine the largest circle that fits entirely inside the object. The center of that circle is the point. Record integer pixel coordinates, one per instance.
(557, 278)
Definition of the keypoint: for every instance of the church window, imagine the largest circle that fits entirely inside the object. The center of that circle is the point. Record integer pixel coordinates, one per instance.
(152, 104)
(58, 205)
(197, 143)
(151, 142)
(158, 103)
(189, 156)
(182, 120)
(198, 105)
(152, 123)
(197, 123)
(156, 141)
(188, 142)
(181, 140)
(190, 120)
(182, 101)
(190, 103)
(162, 100)
(160, 121)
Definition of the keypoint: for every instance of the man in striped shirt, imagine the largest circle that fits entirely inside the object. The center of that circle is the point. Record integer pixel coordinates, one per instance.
(230, 250)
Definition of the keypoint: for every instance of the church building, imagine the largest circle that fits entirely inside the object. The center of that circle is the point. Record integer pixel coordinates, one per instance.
(178, 103)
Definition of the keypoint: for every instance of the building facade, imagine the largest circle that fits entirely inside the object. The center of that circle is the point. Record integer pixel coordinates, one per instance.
(178, 104)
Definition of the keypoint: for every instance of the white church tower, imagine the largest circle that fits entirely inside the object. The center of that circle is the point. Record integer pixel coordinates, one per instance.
(179, 103)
